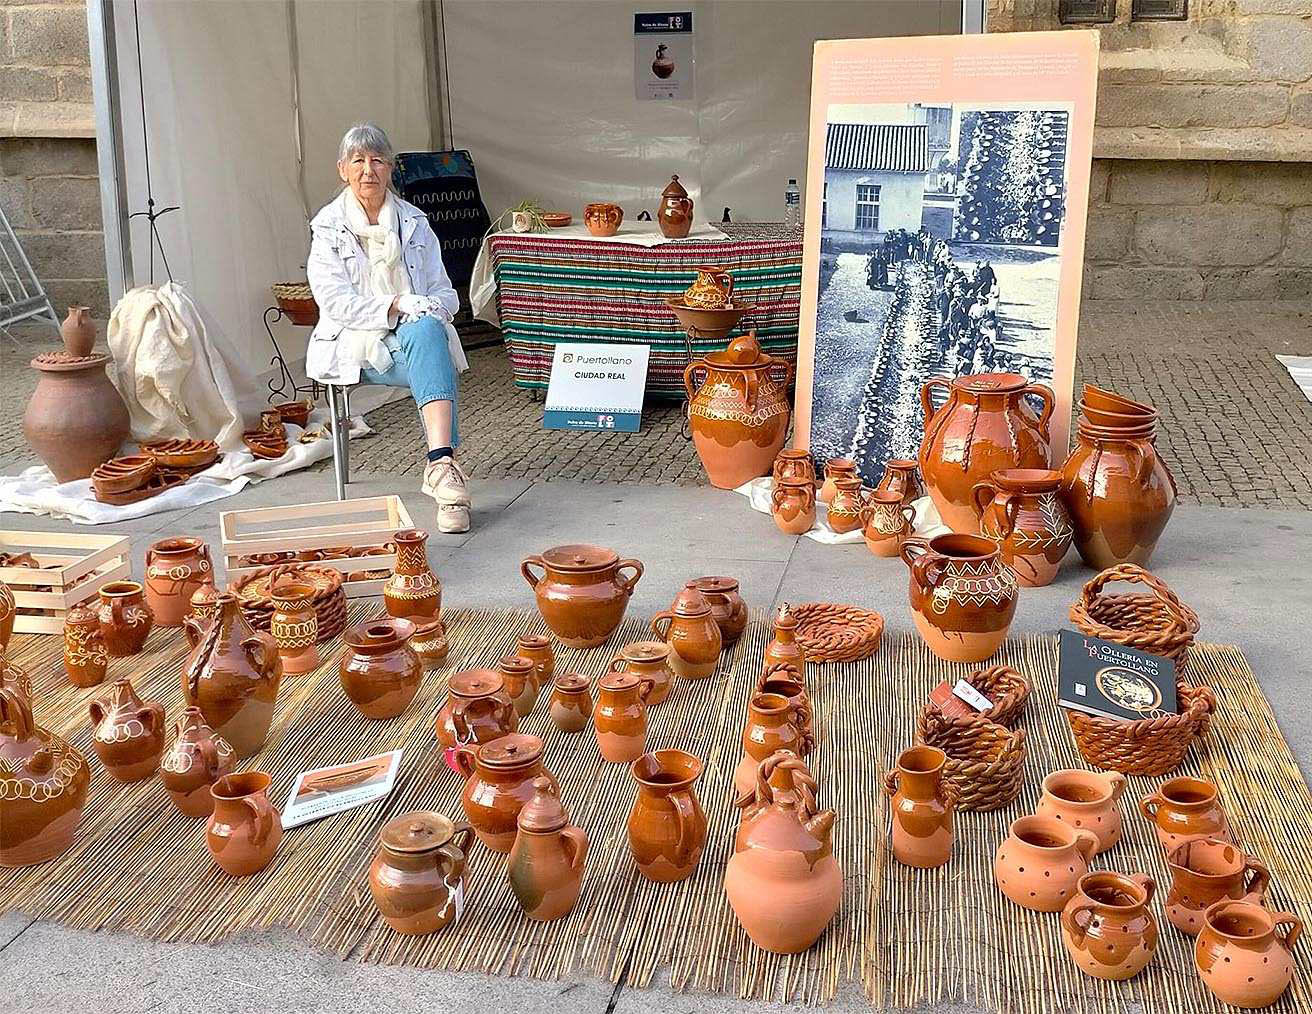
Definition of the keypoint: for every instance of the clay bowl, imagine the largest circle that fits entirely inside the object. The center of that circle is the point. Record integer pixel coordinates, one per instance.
(122, 475)
(710, 325)
(557, 219)
(1116, 420)
(1145, 432)
(1103, 400)
(297, 412)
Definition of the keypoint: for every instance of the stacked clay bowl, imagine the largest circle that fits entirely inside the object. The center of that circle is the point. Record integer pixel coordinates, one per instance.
(1113, 417)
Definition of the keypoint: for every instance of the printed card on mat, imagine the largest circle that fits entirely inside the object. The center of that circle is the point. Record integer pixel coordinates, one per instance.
(1108, 679)
(596, 386)
(325, 791)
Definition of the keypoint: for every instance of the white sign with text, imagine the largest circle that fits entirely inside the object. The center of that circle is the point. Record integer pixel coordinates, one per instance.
(596, 387)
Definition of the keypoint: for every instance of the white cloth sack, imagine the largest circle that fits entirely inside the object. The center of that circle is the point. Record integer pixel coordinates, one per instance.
(927, 522)
(1300, 370)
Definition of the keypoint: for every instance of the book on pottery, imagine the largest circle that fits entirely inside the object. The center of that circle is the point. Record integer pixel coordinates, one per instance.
(321, 792)
(1108, 679)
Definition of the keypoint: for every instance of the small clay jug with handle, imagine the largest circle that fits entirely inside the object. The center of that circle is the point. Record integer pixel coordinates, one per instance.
(901, 477)
(792, 504)
(647, 660)
(418, 878)
(413, 592)
(922, 805)
(962, 596)
(887, 523)
(125, 619)
(1040, 863)
(520, 676)
(78, 331)
(570, 706)
(175, 568)
(674, 213)
(847, 506)
(692, 634)
(1021, 510)
(620, 719)
(711, 290)
(546, 861)
(667, 828)
(499, 779)
(788, 682)
(244, 830)
(773, 724)
(85, 658)
(127, 733)
(1183, 809)
(1205, 871)
(727, 606)
(477, 710)
(784, 649)
(1107, 928)
(835, 469)
(198, 758)
(1085, 799)
(793, 463)
(1242, 955)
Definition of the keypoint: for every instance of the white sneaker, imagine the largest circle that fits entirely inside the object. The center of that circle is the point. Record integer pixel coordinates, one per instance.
(445, 482)
(452, 519)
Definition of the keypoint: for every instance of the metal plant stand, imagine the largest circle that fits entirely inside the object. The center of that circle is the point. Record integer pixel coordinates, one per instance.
(282, 381)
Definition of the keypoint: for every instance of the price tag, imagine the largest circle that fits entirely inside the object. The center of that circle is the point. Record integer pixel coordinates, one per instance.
(971, 696)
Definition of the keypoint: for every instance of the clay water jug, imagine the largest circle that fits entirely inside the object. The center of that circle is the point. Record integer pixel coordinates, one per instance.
(887, 522)
(620, 720)
(835, 469)
(76, 418)
(537, 649)
(1107, 927)
(413, 592)
(792, 504)
(125, 619)
(546, 861)
(127, 733)
(1087, 800)
(581, 594)
(663, 65)
(78, 331)
(674, 214)
(295, 625)
(520, 676)
(499, 780)
(1040, 863)
(198, 758)
(847, 506)
(244, 830)
(901, 477)
(379, 671)
(418, 879)
(570, 706)
(792, 463)
(175, 568)
(922, 806)
(1241, 954)
(962, 595)
(1021, 510)
(667, 828)
(1183, 809)
(784, 649)
(649, 660)
(789, 684)
(1205, 871)
(712, 289)
(692, 634)
(85, 657)
(727, 606)
(477, 710)
(773, 725)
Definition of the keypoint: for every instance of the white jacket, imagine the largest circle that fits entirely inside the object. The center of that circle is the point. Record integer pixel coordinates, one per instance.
(335, 271)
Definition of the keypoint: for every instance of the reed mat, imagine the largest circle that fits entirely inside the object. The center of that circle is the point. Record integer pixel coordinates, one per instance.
(909, 937)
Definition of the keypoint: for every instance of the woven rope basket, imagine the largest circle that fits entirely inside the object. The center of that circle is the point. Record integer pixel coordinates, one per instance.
(1159, 624)
(986, 761)
(1150, 746)
(834, 633)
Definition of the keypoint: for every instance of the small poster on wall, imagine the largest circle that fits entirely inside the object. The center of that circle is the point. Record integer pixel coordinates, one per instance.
(949, 180)
(663, 64)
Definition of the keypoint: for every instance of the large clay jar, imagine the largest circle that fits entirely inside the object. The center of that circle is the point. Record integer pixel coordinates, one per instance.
(520, 676)
(690, 630)
(380, 672)
(901, 477)
(1205, 871)
(1184, 809)
(78, 331)
(76, 419)
(570, 705)
(887, 523)
(413, 592)
(232, 676)
(727, 606)
(477, 710)
(667, 828)
(1107, 927)
(537, 649)
(985, 425)
(674, 214)
(1020, 509)
(922, 807)
(848, 506)
(581, 594)
(1241, 954)
(835, 469)
(43, 786)
(175, 568)
(546, 861)
(773, 724)
(620, 719)
(125, 619)
(962, 595)
(649, 660)
(127, 733)
(499, 779)
(782, 881)
(738, 410)
(418, 878)
(198, 758)
(1085, 799)
(1040, 864)
(784, 649)
(295, 625)
(85, 658)
(244, 830)
(603, 219)
(792, 463)
(792, 504)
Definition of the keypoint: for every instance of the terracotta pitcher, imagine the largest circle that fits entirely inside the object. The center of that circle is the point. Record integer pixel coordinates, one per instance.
(1040, 864)
(125, 619)
(413, 592)
(847, 506)
(1021, 510)
(1241, 955)
(887, 522)
(379, 671)
(520, 676)
(1184, 809)
(667, 828)
(773, 724)
(78, 331)
(581, 594)
(477, 710)
(674, 214)
(620, 720)
(418, 879)
(127, 733)
(784, 648)
(692, 634)
(1205, 871)
(962, 595)
(985, 425)
(713, 289)
(793, 463)
(85, 658)
(901, 476)
(537, 649)
(295, 625)
(922, 806)
(244, 830)
(499, 779)
(835, 469)
(1085, 799)
(546, 861)
(175, 568)
(570, 705)
(727, 606)
(648, 660)
(789, 684)
(76, 418)
(738, 409)
(1107, 928)
(198, 758)
(792, 504)
(603, 218)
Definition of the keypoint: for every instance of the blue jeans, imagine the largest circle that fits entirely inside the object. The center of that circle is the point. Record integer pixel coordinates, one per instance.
(421, 361)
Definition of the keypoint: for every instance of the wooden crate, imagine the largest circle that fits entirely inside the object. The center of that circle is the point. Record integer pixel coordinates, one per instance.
(366, 522)
(73, 567)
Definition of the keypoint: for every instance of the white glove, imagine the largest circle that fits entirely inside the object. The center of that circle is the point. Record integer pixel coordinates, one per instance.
(412, 307)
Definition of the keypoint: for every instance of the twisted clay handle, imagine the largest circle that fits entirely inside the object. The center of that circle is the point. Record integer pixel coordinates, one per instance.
(890, 782)
(926, 403)
(636, 566)
(525, 569)
(1260, 879)
(1135, 573)
(1044, 393)
(1295, 925)
(664, 614)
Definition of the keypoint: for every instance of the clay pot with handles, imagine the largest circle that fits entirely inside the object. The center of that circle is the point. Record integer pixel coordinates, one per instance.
(793, 463)
(792, 504)
(727, 605)
(1205, 871)
(922, 804)
(962, 596)
(477, 710)
(499, 780)
(198, 758)
(1241, 955)
(603, 218)
(175, 569)
(666, 826)
(647, 660)
(620, 718)
(125, 618)
(418, 878)
(901, 477)
(773, 723)
(78, 331)
(1040, 863)
(1087, 800)
(1107, 928)
(712, 290)
(1021, 510)
(127, 733)
(244, 830)
(887, 522)
(85, 658)
(1183, 809)
(581, 594)
(692, 634)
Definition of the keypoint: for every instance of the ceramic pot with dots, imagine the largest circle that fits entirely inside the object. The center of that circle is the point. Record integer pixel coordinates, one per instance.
(1205, 871)
(1087, 800)
(1041, 861)
(1242, 955)
(1107, 928)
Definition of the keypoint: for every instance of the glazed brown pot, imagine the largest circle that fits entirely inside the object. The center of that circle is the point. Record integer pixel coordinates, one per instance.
(648, 660)
(295, 625)
(477, 710)
(1087, 800)
(1107, 401)
(835, 469)
(847, 506)
(985, 425)
(537, 649)
(85, 658)
(125, 619)
(520, 676)
(1184, 809)
(792, 505)
(78, 331)
(792, 463)
(244, 830)
(418, 878)
(727, 606)
(204, 603)
(198, 758)
(793, 690)
(127, 733)
(570, 705)
(175, 568)
(499, 779)
(620, 719)
(773, 724)
(1205, 871)
(674, 214)
(413, 592)
(922, 806)
(581, 594)
(887, 522)
(692, 634)
(1040, 864)
(901, 476)
(380, 671)
(667, 828)
(712, 289)
(546, 862)
(1241, 955)
(962, 595)
(76, 419)
(603, 219)
(783, 648)
(1021, 510)
(1107, 928)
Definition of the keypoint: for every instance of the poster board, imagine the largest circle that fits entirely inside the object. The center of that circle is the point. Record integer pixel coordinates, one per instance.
(945, 229)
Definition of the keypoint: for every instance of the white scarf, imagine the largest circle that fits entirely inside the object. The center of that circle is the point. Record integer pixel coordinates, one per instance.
(385, 275)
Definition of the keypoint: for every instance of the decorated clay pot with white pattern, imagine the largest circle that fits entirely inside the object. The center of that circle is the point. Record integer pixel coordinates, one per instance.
(125, 619)
(127, 733)
(198, 758)
(962, 595)
(413, 592)
(175, 570)
(1021, 510)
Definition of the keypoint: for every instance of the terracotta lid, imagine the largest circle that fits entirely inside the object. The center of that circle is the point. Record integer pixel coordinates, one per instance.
(622, 680)
(62, 362)
(674, 188)
(718, 585)
(986, 383)
(543, 812)
(417, 831)
(743, 353)
(534, 641)
(572, 683)
(785, 618)
(691, 602)
(476, 683)
(580, 557)
(645, 651)
(516, 664)
(513, 751)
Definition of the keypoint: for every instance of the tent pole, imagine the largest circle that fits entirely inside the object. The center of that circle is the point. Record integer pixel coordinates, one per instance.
(434, 65)
(109, 147)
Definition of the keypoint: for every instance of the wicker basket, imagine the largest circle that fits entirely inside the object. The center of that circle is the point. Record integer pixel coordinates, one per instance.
(986, 761)
(296, 301)
(1004, 686)
(1159, 624)
(329, 599)
(1149, 746)
(834, 633)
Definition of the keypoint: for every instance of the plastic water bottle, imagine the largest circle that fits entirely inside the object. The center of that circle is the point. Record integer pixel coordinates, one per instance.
(792, 204)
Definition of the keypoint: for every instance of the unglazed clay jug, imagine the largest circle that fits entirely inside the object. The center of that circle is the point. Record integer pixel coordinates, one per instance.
(1241, 954)
(125, 619)
(1184, 809)
(835, 469)
(603, 219)
(413, 592)
(1205, 871)
(499, 779)
(175, 568)
(713, 289)
(232, 675)
(546, 861)
(244, 830)
(295, 625)
(667, 828)
(674, 215)
(78, 331)
(773, 724)
(76, 419)
(792, 463)
(570, 705)
(380, 672)
(477, 710)
(887, 523)
(85, 658)
(784, 649)
(43, 786)
(727, 606)
(1085, 799)
(738, 410)
(901, 477)
(581, 594)
(1107, 928)
(198, 758)
(962, 595)
(418, 878)
(922, 806)
(648, 660)
(847, 506)
(792, 504)
(520, 676)
(1041, 862)
(782, 881)
(620, 720)
(537, 649)
(127, 733)
(1020, 509)
(692, 634)
(985, 425)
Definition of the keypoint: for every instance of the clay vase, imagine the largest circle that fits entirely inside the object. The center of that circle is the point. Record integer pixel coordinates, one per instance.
(649, 660)
(985, 425)
(581, 594)
(413, 592)
(76, 419)
(727, 606)
(537, 649)
(1040, 864)
(125, 619)
(1087, 800)
(712, 289)
(738, 410)
(232, 676)
(835, 469)
(1241, 955)
(603, 219)
(692, 634)
(792, 688)
(791, 463)
(674, 214)
(848, 505)
(620, 720)
(380, 672)
(962, 595)
(205, 604)
(784, 649)
(887, 523)
(1205, 871)
(175, 568)
(773, 724)
(782, 881)
(922, 806)
(244, 830)
(1020, 509)
(127, 733)
(499, 779)
(477, 710)
(85, 658)
(1107, 928)
(792, 505)
(418, 878)
(78, 331)
(295, 626)
(198, 758)
(519, 676)
(546, 861)
(43, 786)
(667, 828)
(901, 477)
(1184, 809)
(663, 65)
(570, 704)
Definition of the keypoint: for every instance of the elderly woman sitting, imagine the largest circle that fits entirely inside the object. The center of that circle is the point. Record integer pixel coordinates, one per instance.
(385, 306)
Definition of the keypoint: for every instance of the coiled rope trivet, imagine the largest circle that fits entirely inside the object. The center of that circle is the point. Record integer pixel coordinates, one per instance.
(834, 633)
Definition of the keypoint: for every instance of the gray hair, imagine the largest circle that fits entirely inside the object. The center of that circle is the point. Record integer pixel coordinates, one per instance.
(366, 137)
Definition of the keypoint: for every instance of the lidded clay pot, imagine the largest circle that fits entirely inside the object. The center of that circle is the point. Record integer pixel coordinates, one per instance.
(793, 463)
(674, 214)
(727, 606)
(1241, 955)
(667, 828)
(477, 710)
(1107, 927)
(901, 477)
(783, 649)
(647, 660)
(546, 861)
(1041, 862)
(922, 806)
(76, 419)
(835, 469)
(85, 658)
(691, 632)
(887, 522)
(244, 830)
(380, 672)
(413, 592)
(175, 568)
(773, 725)
(1087, 800)
(1021, 510)
(792, 504)
(1205, 871)
(580, 593)
(125, 619)
(620, 719)
(295, 625)
(198, 758)
(603, 218)
(537, 649)
(418, 877)
(570, 705)
(127, 733)
(1183, 809)
(520, 677)
(847, 506)
(499, 780)
(962, 595)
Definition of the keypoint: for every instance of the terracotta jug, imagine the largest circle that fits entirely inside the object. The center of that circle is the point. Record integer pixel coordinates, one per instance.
(477, 710)
(175, 568)
(76, 419)
(792, 505)
(985, 425)
(847, 506)
(43, 785)
(125, 619)
(773, 724)
(499, 779)
(546, 861)
(1107, 928)
(727, 606)
(901, 477)
(581, 594)
(1020, 509)
(1205, 871)
(85, 658)
(205, 603)
(8, 616)
(78, 331)
(603, 219)
(792, 463)
(380, 672)
(887, 523)
(1085, 799)
(674, 215)
(782, 881)
(789, 684)
(232, 675)
(713, 289)
(784, 649)
(418, 879)
(537, 649)
(1183, 809)
(127, 733)
(690, 630)
(413, 592)
(1241, 955)
(922, 806)
(667, 828)
(295, 625)
(520, 677)
(663, 65)
(649, 660)
(1040, 864)
(244, 830)
(198, 758)
(570, 706)
(962, 595)
(620, 720)
(835, 469)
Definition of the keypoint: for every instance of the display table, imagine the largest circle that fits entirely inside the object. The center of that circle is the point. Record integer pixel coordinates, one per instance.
(567, 286)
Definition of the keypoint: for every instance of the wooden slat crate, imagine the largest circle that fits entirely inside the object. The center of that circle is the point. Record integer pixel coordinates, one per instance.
(73, 567)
